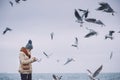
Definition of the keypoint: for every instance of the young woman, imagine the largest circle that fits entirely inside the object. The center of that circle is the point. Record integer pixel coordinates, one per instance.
(25, 68)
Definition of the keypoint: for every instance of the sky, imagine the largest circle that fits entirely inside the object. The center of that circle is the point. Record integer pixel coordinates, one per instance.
(36, 19)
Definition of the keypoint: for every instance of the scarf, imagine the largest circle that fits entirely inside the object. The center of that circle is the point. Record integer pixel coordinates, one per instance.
(23, 49)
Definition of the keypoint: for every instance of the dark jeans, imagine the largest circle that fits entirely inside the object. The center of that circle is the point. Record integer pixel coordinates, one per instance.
(26, 76)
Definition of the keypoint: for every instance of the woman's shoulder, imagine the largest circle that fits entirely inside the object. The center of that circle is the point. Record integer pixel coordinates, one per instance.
(21, 53)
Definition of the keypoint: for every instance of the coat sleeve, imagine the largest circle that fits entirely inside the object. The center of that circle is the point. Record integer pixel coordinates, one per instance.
(23, 60)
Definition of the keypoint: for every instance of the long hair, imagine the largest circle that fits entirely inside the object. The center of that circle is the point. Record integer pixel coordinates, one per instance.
(23, 49)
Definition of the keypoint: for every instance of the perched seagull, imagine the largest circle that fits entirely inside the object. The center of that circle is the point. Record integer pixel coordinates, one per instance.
(110, 35)
(111, 54)
(105, 7)
(92, 76)
(6, 30)
(52, 34)
(91, 33)
(69, 60)
(92, 20)
(85, 12)
(79, 18)
(56, 77)
(11, 3)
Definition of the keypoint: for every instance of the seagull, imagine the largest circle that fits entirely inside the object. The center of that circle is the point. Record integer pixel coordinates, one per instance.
(105, 7)
(11, 3)
(93, 20)
(85, 12)
(76, 43)
(110, 35)
(100, 22)
(69, 60)
(56, 77)
(79, 18)
(47, 54)
(92, 76)
(91, 33)
(76, 40)
(52, 34)
(6, 30)
(17, 1)
(111, 54)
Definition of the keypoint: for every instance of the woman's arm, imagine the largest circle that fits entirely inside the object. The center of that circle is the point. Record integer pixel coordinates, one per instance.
(24, 61)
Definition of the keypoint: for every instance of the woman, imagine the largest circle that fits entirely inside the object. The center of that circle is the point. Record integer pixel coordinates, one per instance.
(25, 58)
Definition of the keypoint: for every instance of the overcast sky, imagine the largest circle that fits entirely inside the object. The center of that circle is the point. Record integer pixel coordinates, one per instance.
(36, 19)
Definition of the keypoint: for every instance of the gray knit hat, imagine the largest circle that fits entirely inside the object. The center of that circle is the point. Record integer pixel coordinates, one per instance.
(29, 45)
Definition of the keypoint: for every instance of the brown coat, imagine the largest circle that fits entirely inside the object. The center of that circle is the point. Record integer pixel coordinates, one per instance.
(25, 63)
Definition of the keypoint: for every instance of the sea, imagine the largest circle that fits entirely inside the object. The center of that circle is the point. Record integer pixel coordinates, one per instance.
(65, 76)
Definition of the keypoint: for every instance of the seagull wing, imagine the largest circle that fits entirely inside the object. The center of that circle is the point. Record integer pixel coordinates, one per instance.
(11, 3)
(68, 60)
(89, 71)
(90, 34)
(54, 77)
(77, 15)
(52, 35)
(111, 55)
(90, 20)
(45, 54)
(76, 40)
(97, 71)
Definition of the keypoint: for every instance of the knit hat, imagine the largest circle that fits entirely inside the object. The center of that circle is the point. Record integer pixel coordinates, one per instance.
(29, 45)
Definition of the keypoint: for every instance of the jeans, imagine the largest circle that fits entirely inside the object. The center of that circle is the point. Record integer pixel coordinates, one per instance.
(26, 76)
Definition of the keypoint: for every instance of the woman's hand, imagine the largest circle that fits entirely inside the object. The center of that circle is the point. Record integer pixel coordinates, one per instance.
(34, 59)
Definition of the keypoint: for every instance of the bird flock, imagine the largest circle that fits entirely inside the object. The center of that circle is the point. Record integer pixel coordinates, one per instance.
(82, 17)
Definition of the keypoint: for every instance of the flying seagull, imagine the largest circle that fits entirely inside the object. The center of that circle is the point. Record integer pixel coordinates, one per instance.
(11, 3)
(93, 20)
(79, 18)
(6, 30)
(76, 43)
(93, 76)
(69, 60)
(85, 12)
(47, 54)
(55, 77)
(110, 35)
(52, 35)
(76, 40)
(105, 7)
(91, 33)
(111, 54)
(17, 1)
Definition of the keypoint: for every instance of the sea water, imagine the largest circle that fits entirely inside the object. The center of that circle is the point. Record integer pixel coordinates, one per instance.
(65, 76)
